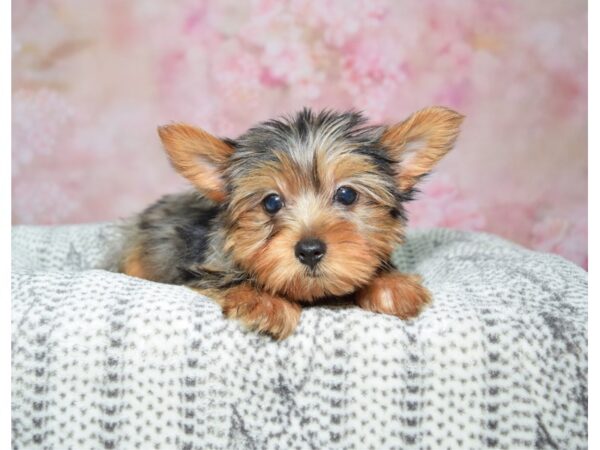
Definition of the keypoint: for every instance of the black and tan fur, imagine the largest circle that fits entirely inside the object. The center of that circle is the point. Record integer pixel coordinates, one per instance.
(220, 240)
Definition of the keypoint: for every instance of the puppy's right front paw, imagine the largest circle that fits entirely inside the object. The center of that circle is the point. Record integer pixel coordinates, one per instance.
(261, 311)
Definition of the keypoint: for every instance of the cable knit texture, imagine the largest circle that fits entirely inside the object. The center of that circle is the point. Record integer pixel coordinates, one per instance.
(103, 360)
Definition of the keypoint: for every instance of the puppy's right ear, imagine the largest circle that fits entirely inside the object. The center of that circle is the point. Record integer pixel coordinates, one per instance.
(198, 156)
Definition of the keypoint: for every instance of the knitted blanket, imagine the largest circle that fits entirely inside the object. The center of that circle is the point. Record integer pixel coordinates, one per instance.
(103, 360)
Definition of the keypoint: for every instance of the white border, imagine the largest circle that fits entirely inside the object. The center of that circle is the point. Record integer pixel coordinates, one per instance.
(5, 208)
(593, 217)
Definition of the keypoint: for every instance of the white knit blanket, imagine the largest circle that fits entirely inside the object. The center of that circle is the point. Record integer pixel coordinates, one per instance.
(103, 360)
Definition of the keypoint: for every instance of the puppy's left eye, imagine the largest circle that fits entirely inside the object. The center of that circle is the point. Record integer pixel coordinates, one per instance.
(345, 195)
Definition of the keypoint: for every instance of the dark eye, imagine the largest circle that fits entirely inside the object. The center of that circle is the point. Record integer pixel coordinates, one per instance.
(272, 203)
(345, 195)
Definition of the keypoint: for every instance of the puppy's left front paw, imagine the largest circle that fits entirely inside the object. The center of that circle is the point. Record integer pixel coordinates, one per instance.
(396, 294)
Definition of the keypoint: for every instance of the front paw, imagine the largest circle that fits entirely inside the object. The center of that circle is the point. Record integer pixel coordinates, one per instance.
(261, 311)
(396, 294)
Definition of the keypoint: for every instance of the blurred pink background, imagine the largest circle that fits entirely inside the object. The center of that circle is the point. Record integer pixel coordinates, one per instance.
(93, 79)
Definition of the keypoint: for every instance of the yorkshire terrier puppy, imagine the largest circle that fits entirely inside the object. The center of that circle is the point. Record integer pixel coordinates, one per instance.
(295, 210)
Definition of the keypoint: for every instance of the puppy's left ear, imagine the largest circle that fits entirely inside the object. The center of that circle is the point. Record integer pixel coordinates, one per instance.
(419, 142)
(198, 156)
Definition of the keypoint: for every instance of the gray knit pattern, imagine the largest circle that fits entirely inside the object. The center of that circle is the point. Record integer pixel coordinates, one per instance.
(103, 360)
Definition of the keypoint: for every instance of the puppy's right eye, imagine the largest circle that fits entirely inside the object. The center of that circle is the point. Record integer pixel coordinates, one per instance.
(272, 203)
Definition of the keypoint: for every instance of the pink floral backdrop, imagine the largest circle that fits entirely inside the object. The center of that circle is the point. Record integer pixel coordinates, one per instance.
(93, 79)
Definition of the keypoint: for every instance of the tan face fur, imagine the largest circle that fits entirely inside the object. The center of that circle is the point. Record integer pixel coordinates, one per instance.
(358, 237)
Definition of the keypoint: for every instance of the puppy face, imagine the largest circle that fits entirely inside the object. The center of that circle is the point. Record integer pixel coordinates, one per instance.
(314, 203)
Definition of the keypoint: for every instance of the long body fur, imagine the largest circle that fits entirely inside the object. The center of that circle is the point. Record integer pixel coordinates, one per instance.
(174, 238)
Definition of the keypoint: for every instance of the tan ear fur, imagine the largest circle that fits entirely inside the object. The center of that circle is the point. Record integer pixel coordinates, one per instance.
(198, 156)
(419, 142)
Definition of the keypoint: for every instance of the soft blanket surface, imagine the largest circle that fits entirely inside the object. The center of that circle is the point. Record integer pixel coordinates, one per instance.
(103, 360)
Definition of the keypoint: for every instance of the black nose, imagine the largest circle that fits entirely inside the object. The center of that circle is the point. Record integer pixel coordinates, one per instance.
(310, 251)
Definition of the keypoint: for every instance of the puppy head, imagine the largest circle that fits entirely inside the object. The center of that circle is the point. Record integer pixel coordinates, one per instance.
(314, 203)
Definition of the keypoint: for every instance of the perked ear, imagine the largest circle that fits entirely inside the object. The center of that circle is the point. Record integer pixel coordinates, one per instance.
(198, 156)
(419, 142)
